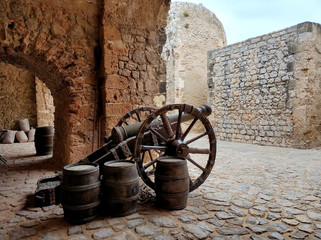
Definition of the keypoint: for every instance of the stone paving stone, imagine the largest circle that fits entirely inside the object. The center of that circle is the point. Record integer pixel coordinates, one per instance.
(204, 217)
(284, 202)
(30, 224)
(257, 221)
(162, 237)
(187, 218)
(95, 225)
(22, 233)
(215, 222)
(128, 235)
(225, 215)
(280, 228)
(198, 231)
(318, 234)
(51, 236)
(237, 211)
(103, 233)
(256, 237)
(148, 230)
(298, 235)
(273, 216)
(74, 230)
(222, 197)
(258, 229)
(242, 203)
(236, 221)
(306, 228)
(303, 219)
(265, 197)
(232, 231)
(275, 235)
(314, 216)
(78, 237)
(135, 222)
(291, 222)
(164, 222)
(195, 210)
(118, 228)
(219, 238)
(293, 211)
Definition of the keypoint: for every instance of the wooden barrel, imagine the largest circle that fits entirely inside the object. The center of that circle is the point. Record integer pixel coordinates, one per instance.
(44, 140)
(80, 192)
(171, 182)
(120, 188)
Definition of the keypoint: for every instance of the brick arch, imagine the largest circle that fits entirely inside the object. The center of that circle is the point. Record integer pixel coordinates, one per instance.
(56, 42)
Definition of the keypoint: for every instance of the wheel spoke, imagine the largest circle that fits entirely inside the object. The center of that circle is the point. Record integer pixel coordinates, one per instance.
(196, 138)
(189, 128)
(138, 117)
(148, 147)
(167, 126)
(150, 164)
(151, 158)
(199, 150)
(157, 134)
(178, 127)
(196, 164)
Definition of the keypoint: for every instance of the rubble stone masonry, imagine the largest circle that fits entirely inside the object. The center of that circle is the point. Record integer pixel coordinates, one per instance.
(267, 90)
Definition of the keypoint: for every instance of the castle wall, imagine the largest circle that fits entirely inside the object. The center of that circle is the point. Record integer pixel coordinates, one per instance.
(191, 31)
(267, 90)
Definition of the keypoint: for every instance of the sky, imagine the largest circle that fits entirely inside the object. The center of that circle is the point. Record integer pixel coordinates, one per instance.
(244, 19)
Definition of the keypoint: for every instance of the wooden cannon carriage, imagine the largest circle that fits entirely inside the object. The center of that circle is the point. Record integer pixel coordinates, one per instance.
(143, 135)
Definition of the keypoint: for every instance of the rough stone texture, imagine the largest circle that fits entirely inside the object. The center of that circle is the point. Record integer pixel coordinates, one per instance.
(132, 67)
(191, 31)
(94, 56)
(286, 170)
(17, 96)
(266, 90)
(45, 105)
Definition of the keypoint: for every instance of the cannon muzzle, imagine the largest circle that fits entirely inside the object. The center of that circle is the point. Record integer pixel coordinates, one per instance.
(122, 133)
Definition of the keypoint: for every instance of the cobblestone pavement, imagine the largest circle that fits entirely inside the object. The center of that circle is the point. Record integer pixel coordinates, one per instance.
(253, 192)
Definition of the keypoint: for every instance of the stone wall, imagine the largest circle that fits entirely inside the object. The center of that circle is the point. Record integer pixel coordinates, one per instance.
(71, 47)
(17, 96)
(267, 90)
(45, 105)
(132, 67)
(192, 30)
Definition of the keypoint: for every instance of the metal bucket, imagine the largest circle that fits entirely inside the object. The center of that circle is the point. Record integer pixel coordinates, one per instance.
(44, 140)
(80, 192)
(171, 182)
(120, 188)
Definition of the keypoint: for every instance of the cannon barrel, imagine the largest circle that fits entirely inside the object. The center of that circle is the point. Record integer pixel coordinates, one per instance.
(122, 133)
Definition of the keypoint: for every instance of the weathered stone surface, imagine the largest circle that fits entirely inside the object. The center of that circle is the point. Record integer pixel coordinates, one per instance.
(148, 230)
(257, 221)
(74, 230)
(242, 203)
(200, 232)
(23, 233)
(314, 216)
(164, 222)
(103, 233)
(135, 222)
(94, 225)
(225, 215)
(51, 236)
(232, 231)
(299, 235)
(275, 235)
(258, 229)
(215, 222)
(273, 216)
(187, 218)
(162, 237)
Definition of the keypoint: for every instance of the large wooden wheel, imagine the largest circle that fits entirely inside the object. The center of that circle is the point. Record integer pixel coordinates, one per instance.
(169, 136)
(135, 116)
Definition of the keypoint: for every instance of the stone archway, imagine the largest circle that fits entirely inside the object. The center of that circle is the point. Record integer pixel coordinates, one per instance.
(56, 42)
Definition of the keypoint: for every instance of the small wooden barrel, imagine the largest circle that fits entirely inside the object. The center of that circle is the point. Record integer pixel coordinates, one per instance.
(171, 182)
(44, 140)
(80, 192)
(120, 188)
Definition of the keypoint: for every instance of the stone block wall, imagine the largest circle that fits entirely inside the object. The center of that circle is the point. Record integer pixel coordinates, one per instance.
(267, 90)
(132, 67)
(17, 96)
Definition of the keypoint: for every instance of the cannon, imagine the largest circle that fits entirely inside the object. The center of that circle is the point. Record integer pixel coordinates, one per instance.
(144, 134)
